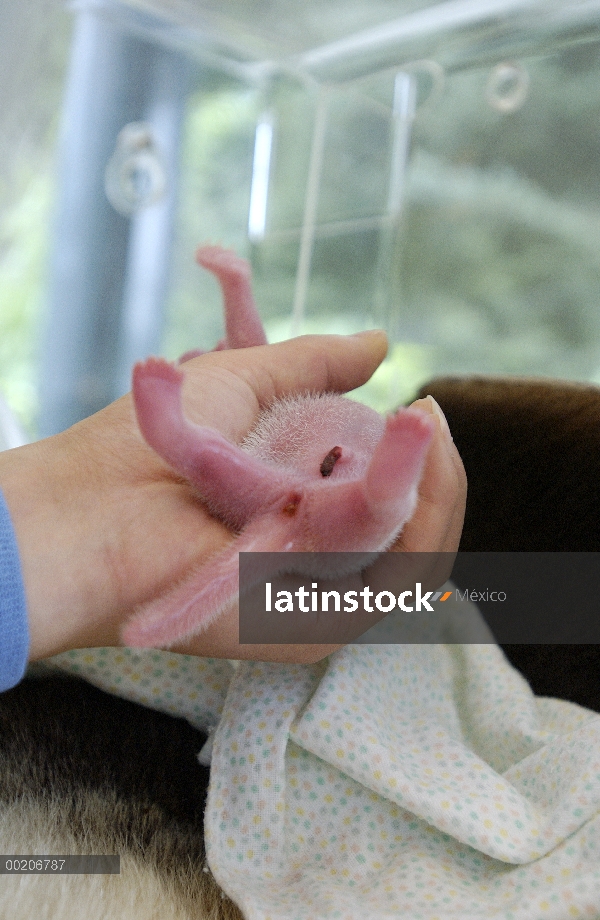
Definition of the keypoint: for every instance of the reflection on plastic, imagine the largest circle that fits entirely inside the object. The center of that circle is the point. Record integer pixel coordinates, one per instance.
(135, 175)
(430, 77)
(257, 216)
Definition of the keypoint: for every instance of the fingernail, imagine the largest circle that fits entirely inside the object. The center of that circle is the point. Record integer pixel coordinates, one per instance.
(365, 332)
(443, 421)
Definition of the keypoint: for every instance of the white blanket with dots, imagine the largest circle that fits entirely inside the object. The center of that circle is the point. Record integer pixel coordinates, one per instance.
(420, 781)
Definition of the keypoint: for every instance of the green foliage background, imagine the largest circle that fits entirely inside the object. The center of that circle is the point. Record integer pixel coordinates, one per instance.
(34, 38)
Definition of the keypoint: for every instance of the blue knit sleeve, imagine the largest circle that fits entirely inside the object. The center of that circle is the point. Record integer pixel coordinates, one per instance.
(14, 632)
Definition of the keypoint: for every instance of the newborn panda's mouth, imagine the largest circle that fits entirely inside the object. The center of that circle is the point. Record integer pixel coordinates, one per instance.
(330, 461)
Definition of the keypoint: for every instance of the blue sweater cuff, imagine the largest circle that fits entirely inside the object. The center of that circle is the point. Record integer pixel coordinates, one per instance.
(14, 631)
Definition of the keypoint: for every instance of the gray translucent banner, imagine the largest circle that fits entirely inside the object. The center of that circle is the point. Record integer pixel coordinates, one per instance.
(342, 598)
(60, 865)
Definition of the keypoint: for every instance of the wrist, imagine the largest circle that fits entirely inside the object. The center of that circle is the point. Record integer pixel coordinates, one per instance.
(36, 481)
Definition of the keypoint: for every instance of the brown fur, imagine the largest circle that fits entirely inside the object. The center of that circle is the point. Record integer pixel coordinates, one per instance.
(531, 450)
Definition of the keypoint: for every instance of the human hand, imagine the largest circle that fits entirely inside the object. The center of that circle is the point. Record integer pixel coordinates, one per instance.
(103, 525)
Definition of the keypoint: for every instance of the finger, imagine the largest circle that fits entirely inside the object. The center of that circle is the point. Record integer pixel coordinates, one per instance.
(221, 640)
(437, 523)
(263, 374)
(317, 364)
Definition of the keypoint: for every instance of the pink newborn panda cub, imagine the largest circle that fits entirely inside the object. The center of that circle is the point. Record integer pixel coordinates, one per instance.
(319, 473)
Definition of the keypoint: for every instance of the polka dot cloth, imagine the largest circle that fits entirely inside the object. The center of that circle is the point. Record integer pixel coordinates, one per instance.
(182, 685)
(421, 782)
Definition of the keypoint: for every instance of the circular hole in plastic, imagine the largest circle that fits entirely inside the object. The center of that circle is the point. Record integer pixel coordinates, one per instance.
(135, 174)
(507, 87)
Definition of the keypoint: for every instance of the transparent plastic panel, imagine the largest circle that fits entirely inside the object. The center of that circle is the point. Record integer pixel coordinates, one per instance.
(314, 177)
(324, 231)
(458, 208)
(499, 258)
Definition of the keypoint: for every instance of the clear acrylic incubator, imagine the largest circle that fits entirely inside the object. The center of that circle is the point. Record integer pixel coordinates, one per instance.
(429, 168)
